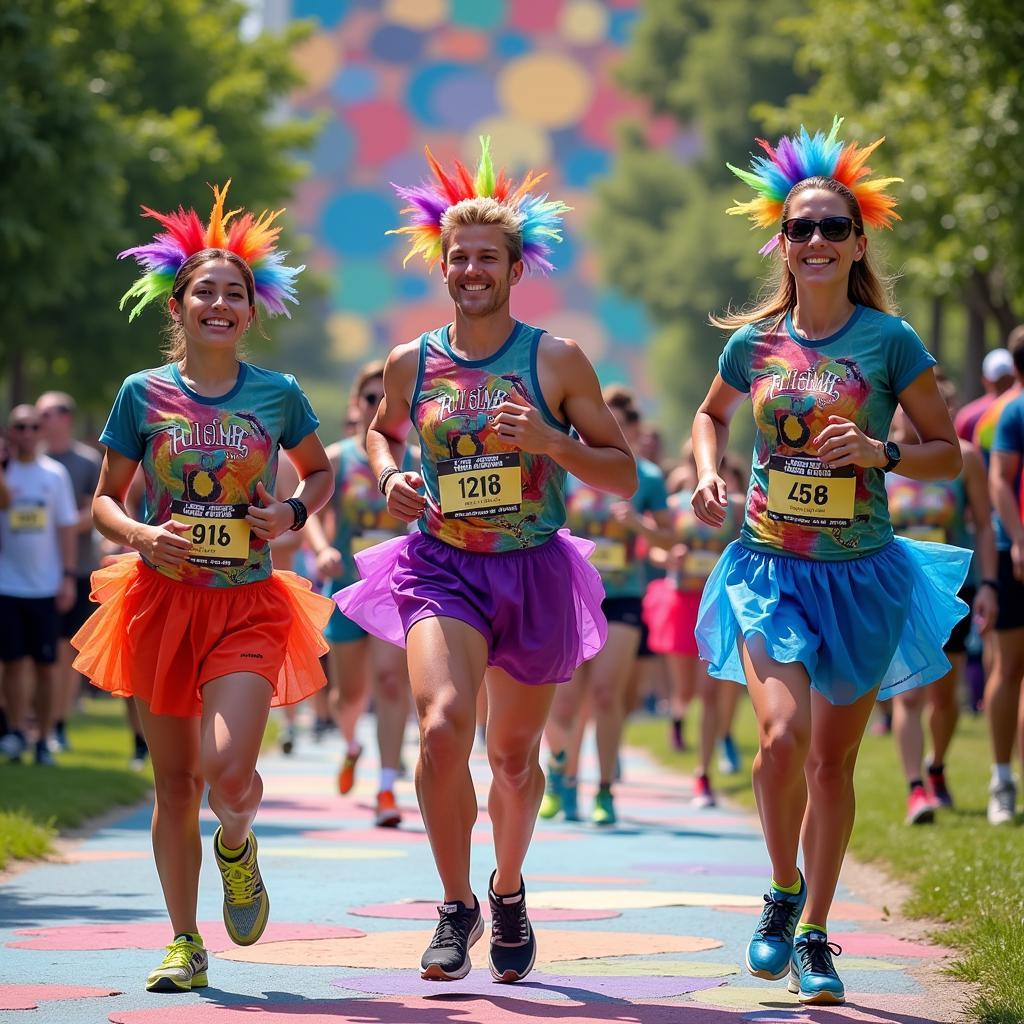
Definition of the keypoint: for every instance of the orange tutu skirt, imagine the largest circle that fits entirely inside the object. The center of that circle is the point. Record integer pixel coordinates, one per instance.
(160, 640)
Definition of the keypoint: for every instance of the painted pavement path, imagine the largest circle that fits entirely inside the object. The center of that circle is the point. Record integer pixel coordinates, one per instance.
(644, 923)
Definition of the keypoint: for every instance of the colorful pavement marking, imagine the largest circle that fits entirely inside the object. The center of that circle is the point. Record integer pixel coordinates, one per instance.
(626, 899)
(28, 997)
(426, 910)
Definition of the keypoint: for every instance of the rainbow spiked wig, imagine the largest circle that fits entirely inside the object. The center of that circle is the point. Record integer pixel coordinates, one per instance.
(808, 156)
(251, 238)
(540, 217)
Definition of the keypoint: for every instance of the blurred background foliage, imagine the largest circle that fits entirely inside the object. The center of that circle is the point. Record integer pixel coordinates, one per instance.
(111, 103)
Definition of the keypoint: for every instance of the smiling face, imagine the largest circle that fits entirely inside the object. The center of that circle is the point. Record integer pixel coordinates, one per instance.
(818, 261)
(214, 308)
(478, 270)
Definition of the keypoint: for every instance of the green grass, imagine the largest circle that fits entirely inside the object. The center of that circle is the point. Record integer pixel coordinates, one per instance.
(93, 777)
(961, 872)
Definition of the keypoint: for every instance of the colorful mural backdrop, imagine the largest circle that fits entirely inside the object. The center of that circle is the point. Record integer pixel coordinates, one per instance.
(535, 75)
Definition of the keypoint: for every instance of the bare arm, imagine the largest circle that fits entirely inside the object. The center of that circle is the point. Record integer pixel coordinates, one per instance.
(318, 530)
(1002, 476)
(986, 600)
(710, 439)
(601, 457)
(5, 493)
(385, 440)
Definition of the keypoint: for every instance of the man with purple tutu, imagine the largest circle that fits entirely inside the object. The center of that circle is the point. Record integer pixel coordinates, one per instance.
(490, 583)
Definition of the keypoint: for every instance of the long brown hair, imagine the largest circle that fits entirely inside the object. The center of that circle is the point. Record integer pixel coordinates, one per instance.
(866, 287)
(174, 347)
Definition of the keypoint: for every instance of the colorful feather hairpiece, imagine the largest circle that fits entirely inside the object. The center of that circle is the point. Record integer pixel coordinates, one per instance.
(807, 156)
(251, 238)
(540, 218)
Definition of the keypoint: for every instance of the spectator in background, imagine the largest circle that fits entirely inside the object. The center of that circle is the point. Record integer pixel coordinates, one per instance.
(985, 429)
(996, 377)
(37, 578)
(56, 415)
(1002, 690)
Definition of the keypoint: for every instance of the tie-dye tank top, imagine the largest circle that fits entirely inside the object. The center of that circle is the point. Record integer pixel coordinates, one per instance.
(930, 510)
(795, 504)
(361, 516)
(202, 458)
(482, 494)
(704, 543)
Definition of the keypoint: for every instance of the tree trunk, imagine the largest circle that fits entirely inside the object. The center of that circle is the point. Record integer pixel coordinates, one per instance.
(975, 345)
(16, 376)
(938, 325)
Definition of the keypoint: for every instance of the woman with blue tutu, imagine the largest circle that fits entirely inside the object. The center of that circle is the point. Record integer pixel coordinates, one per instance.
(818, 608)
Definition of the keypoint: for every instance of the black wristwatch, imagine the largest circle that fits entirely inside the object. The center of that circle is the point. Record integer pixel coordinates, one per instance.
(892, 454)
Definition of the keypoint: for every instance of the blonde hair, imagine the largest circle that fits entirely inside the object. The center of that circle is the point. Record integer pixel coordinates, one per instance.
(866, 287)
(484, 210)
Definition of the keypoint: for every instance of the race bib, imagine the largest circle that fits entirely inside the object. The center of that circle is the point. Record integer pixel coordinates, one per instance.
(700, 563)
(370, 538)
(608, 555)
(219, 535)
(929, 534)
(27, 518)
(804, 491)
(480, 485)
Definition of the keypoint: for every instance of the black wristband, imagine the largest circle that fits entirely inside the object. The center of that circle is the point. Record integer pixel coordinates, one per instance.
(994, 584)
(301, 515)
(385, 475)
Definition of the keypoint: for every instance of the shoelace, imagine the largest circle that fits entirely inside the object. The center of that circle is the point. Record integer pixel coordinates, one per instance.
(816, 956)
(452, 931)
(509, 923)
(776, 918)
(242, 881)
(179, 954)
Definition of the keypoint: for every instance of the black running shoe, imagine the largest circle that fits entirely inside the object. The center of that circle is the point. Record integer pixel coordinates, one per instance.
(513, 944)
(447, 956)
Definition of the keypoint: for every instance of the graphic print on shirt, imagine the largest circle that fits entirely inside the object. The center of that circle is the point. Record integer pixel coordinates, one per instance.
(794, 392)
(482, 494)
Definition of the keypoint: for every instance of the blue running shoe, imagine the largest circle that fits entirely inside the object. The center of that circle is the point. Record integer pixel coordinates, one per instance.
(812, 975)
(729, 761)
(570, 801)
(771, 946)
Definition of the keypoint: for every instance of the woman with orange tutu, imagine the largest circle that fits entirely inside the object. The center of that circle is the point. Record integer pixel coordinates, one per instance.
(198, 627)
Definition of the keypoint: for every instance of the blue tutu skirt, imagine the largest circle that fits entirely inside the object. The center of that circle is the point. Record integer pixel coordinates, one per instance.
(876, 621)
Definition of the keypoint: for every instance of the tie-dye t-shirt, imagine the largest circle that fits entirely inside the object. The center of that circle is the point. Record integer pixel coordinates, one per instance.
(360, 511)
(615, 556)
(482, 494)
(202, 458)
(794, 503)
(704, 543)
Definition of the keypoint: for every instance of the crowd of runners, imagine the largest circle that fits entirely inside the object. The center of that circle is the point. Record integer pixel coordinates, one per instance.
(502, 546)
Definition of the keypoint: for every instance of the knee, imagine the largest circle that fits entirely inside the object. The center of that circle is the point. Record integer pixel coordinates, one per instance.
(783, 751)
(392, 686)
(513, 764)
(230, 782)
(604, 699)
(446, 738)
(178, 791)
(831, 773)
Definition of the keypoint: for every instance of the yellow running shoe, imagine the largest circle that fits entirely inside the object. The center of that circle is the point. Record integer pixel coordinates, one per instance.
(246, 903)
(183, 969)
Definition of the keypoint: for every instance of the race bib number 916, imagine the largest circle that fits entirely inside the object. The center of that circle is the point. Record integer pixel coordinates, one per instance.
(806, 492)
(482, 485)
(219, 534)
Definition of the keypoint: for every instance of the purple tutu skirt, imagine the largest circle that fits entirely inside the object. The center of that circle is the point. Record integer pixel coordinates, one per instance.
(539, 609)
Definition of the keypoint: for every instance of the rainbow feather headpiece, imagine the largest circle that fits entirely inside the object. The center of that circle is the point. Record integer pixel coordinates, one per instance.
(808, 156)
(251, 238)
(540, 218)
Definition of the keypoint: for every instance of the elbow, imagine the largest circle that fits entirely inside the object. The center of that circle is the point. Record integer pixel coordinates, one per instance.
(955, 463)
(630, 481)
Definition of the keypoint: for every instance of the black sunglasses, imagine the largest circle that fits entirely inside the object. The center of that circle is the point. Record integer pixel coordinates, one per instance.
(833, 229)
(24, 426)
(371, 398)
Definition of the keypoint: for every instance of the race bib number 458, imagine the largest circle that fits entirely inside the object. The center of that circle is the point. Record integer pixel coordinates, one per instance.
(219, 534)
(482, 485)
(806, 492)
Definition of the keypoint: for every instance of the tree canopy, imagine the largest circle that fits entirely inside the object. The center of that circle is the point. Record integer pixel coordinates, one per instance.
(110, 104)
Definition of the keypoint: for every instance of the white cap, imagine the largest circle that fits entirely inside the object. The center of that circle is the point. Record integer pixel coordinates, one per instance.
(997, 364)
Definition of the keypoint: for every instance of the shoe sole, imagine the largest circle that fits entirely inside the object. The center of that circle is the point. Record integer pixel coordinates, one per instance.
(816, 998)
(509, 977)
(925, 817)
(170, 985)
(763, 974)
(435, 972)
(389, 821)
